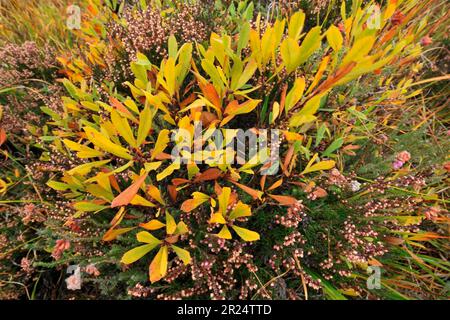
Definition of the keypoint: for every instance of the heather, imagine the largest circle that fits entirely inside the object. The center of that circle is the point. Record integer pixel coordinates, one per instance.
(350, 201)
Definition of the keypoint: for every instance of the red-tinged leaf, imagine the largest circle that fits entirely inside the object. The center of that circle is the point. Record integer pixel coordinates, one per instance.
(210, 93)
(327, 84)
(119, 106)
(112, 233)
(179, 181)
(172, 192)
(197, 200)
(426, 236)
(232, 106)
(163, 156)
(2, 136)
(275, 185)
(209, 174)
(172, 238)
(187, 101)
(262, 182)
(375, 262)
(394, 240)
(217, 188)
(283, 98)
(118, 217)
(284, 200)
(287, 160)
(114, 183)
(128, 194)
(112, 180)
(207, 118)
(319, 192)
(256, 194)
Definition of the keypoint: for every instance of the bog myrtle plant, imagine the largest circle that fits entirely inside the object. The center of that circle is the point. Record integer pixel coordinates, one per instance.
(130, 136)
(264, 156)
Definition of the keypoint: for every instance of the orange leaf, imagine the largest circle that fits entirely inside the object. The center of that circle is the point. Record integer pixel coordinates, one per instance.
(256, 194)
(211, 94)
(276, 184)
(179, 181)
(335, 78)
(283, 98)
(209, 174)
(119, 106)
(394, 240)
(128, 194)
(284, 200)
(172, 192)
(2, 136)
(287, 160)
(112, 233)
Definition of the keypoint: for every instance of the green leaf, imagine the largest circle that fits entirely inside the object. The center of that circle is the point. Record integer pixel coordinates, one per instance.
(336, 144)
(173, 46)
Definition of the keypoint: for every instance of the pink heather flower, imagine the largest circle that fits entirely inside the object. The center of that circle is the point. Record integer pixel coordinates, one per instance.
(74, 281)
(92, 270)
(397, 164)
(426, 40)
(60, 247)
(403, 156)
(26, 265)
(432, 213)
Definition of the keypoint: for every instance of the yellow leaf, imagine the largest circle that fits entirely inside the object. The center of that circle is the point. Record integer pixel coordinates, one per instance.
(224, 199)
(181, 228)
(123, 127)
(217, 218)
(319, 73)
(197, 200)
(295, 26)
(334, 38)
(152, 225)
(245, 234)
(161, 143)
(84, 169)
(140, 201)
(158, 267)
(168, 171)
(155, 194)
(171, 226)
(149, 166)
(360, 49)
(275, 112)
(83, 151)
(224, 233)
(137, 253)
(322, 165)
(241, 210)
(147, 237)
(248, 72)
(104, 143)
(295, 94)
(289, 50)
(145, 124)
(183, 254)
